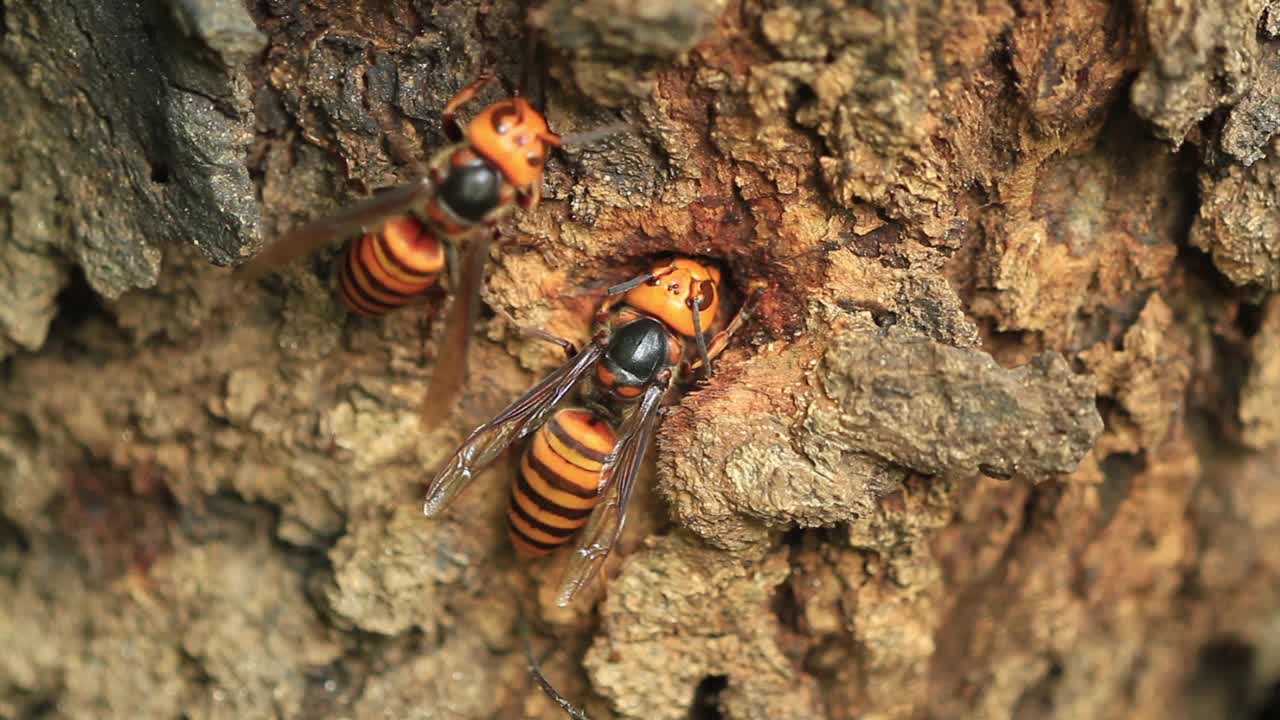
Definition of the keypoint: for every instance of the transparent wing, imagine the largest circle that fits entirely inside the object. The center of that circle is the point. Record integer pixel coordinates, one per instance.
(451, 358)
(340, 225)
(520, 418)
(617, 482)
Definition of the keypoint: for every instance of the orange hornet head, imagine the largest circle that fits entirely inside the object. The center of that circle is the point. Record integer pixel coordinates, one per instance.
(669, 294)
(515, 137)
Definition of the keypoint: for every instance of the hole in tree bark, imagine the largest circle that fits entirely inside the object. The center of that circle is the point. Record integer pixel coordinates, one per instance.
(1221, 678)
(159, 172)
(1037, 700)
(1249, 319)
(706, 699)
(77, 302)
(1270, 707)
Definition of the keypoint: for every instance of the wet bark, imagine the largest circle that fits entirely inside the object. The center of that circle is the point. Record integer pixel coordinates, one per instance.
(997, 441)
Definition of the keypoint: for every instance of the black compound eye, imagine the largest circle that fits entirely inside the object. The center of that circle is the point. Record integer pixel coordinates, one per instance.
(704, 293)
(500, 119)
(472, 190)
(708, 290)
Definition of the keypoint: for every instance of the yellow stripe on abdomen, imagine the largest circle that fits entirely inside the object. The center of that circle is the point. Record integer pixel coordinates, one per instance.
(554, 493)
(388, 269)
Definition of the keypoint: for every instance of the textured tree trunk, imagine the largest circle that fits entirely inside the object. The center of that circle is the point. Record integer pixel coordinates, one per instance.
(999, 439)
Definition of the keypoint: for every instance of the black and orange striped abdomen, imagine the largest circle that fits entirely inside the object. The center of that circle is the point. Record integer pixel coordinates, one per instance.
(390, 267)
(559, 477)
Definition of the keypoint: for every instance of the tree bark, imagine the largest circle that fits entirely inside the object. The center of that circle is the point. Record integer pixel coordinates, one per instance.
(998, 440)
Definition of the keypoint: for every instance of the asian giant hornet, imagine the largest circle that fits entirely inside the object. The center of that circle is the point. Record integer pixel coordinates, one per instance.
(581, 465)
(402, 239)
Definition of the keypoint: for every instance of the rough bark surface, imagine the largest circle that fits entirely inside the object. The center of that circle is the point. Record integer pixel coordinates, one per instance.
(1000, 439)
